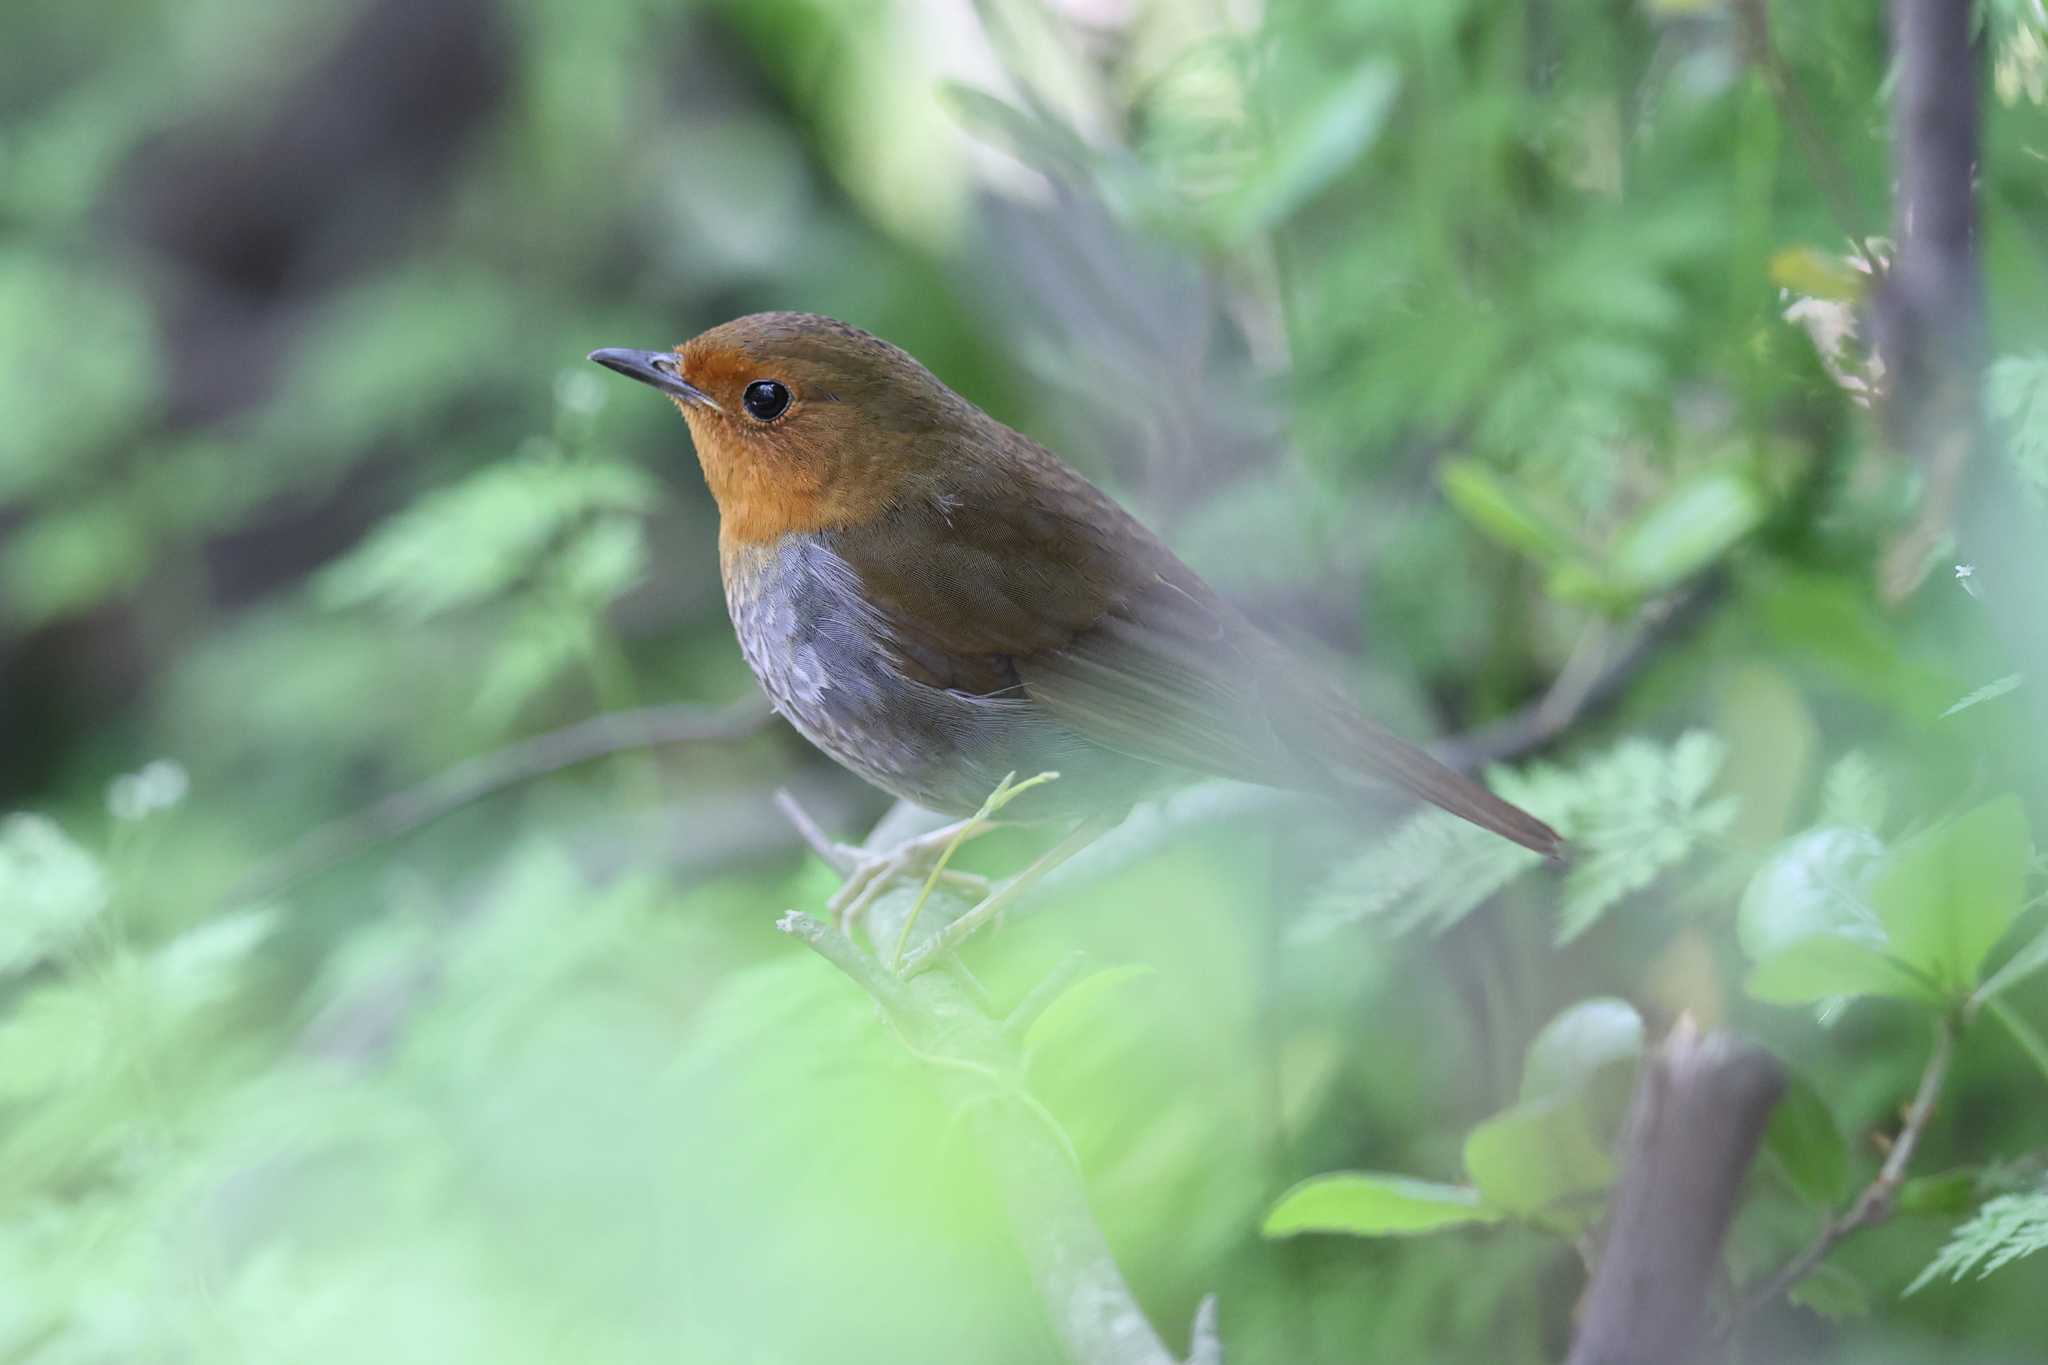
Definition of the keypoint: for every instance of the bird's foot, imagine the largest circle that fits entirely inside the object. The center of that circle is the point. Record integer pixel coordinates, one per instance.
(873, 873)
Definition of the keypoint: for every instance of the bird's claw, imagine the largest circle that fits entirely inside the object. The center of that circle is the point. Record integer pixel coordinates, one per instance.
(873, 873)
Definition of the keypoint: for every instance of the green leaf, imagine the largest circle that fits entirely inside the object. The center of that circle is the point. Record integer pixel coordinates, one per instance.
(50, 890)
(1638, 811)
(1808, 1147)
(1996, 688)
(1686, 530)
(1584, 1040)
(1075, 1005)
(1527, 1159)
(1312, 151)
(1828, 966)
(1503, 511)
(1813, 883)
(1950, 894)
(1371, 1204)
(1852, 795)
(1948, 1194)
(2003, 1231)
(1432, 871)
(1832, 1292)
(2031, 958)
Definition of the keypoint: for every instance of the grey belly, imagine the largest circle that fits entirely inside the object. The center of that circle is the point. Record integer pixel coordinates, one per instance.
(818, 651)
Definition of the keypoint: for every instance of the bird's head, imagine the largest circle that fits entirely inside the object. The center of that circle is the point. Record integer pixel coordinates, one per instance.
(802, 423)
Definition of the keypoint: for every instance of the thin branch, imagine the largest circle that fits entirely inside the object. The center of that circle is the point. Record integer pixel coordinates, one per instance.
(1828, 172)
(486, 775)
(1879, 1198)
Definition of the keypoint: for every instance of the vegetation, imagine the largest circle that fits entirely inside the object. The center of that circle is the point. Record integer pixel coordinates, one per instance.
(364, 999)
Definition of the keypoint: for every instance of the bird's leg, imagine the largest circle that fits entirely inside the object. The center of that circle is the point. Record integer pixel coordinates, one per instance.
(874, 872)
(992, 905)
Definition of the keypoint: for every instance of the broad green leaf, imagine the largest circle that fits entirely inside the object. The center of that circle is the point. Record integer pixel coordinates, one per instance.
(1078, 1002)
(1817, 274)
(1578, 1044)
(1686, 530)
(1948, 1194)
(1526, 1159)
(1828, 966)
(1808, 1146)
(2031, 958)
(1813, 883)
(1503, 511)
(1950, 894)
(1371, 1204)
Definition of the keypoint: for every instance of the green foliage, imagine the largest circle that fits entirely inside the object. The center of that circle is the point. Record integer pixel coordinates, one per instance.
(1373, 1204)
(2004, 1230)
(51, 892)
(1629, 815)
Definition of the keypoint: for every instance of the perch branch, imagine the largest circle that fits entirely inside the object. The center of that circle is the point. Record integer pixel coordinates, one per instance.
(979, 1074)
(1698, 1115)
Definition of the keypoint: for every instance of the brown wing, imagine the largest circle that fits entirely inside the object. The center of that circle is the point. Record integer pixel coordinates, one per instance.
(1035, 583)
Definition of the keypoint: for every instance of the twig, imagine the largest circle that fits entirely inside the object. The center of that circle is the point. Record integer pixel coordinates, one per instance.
(1879, 1197)
(1698, 1115)
(404, 811)
(1828, 172)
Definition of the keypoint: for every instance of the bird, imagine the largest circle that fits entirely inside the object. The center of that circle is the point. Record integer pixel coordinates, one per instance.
(939, 602)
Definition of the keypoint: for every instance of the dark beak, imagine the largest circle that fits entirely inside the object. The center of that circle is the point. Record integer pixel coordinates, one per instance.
(657, 368)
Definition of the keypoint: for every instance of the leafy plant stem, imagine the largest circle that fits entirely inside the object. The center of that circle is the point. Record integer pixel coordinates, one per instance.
(1878, 1199)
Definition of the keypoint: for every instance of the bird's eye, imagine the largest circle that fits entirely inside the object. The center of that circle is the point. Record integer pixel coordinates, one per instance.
(765, 399)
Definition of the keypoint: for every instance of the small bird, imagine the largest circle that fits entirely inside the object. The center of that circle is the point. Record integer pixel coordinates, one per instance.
(938, 601)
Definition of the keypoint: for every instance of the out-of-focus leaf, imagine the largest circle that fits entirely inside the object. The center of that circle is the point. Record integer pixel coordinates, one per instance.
(2031, 958)
(1431, 872)
(50, 890)
(1578, 1044)
(1079, 1002)
(1808, 1146)
(1833, 1293)
(1528, 1159)
(1372, 1204)
(1946, 1195)
(1503, 511)
(1818, 275)
(1950, 894)
(1828, 966)
(1813, 883)
(1686, 530)
(1998, 687)
(1853, 794)
(1313, 150)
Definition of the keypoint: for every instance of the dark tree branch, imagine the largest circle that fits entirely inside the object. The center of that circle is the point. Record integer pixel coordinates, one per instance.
(1929, 310)
(1698, 1116)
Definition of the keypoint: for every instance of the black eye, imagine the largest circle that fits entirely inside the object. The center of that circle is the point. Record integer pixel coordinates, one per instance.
(765, 399)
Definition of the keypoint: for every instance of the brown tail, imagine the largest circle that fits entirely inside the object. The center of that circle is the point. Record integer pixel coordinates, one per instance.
(1374, 753)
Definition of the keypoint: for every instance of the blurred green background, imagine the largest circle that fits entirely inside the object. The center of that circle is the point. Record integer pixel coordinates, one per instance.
(1485, 351)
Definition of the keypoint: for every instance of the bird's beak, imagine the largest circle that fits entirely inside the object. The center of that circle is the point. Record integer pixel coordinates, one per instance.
(657, 368)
